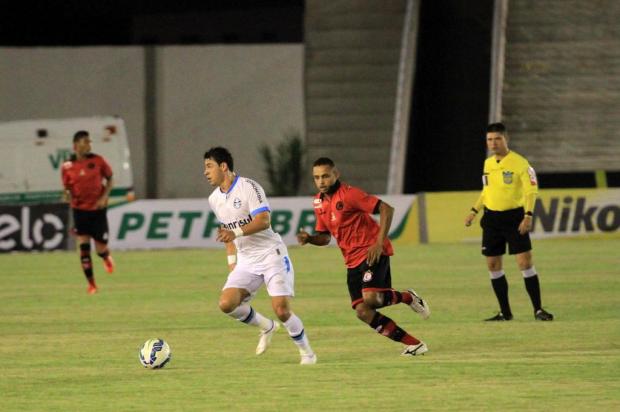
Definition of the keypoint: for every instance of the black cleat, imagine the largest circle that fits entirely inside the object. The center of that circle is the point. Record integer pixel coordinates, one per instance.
(542, 314)
(499, 317)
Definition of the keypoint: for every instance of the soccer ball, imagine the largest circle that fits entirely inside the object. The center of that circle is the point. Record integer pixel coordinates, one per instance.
(154, 354)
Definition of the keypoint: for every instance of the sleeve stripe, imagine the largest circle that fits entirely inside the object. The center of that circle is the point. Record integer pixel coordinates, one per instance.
(259, 210)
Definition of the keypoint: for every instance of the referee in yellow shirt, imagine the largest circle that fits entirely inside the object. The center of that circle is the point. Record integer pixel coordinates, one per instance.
(508, 195)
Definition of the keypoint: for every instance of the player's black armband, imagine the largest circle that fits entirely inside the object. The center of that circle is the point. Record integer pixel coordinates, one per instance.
(529, 213)
(474, 210)
(377, 208)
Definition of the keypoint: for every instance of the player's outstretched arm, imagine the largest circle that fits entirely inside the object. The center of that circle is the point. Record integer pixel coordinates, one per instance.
(318, 239)
(259, 223)
(386, 213)
(102, 202)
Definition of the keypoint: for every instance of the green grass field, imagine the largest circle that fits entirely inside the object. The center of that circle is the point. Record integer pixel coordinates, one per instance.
(63, 350)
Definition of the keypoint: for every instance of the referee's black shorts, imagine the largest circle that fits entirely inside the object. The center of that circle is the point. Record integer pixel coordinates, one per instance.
(93, 223)
(499, 228)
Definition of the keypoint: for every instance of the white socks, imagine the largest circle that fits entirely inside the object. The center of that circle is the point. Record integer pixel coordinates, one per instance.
(496, 275)
(295, 329)
(528, 273)
(246, 314)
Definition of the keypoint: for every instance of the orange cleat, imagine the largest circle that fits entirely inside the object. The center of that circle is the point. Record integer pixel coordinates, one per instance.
(92, 289)
(108, 264)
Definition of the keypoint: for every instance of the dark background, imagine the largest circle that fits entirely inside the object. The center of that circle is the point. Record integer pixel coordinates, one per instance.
(134, 22)
(450, 103)
(450, 106)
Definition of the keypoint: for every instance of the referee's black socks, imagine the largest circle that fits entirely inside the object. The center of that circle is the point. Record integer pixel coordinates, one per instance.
(532, 285)
(500, 287)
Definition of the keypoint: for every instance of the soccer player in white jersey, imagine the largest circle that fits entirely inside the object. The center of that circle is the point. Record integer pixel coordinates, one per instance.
(256, 254)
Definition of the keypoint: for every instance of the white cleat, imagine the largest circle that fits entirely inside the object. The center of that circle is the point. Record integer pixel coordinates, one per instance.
(419, 305)
(265, 338)
(308, 359)
(415, 350)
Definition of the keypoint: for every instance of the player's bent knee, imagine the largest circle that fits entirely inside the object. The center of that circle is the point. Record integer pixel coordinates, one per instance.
(281, 307)
(283, 313)
(364, 313)
(227, 305)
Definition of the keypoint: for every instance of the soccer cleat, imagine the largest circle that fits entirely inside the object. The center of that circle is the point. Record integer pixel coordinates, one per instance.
(415, 350)
(92, 289)
(265, 338)
(542, 314)
(499, 317)
(308, 359)
(108, 264)
(419, 305)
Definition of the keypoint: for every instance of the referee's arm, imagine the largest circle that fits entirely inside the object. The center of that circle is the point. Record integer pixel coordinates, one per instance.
(474, 210)
(530, 191)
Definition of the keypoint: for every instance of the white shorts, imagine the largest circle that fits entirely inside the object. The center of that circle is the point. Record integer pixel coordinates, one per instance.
(275, 271)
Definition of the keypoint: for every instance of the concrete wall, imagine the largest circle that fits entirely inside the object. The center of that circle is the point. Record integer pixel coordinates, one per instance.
(352, 56)
(236, 96)
(562, 83)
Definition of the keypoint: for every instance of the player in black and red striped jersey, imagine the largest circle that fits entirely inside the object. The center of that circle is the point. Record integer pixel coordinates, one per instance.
(343, 211)
(87, 181)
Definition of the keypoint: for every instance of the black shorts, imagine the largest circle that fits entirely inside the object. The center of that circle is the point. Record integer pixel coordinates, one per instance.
(360, 278)
(499, 228)
(93, 223)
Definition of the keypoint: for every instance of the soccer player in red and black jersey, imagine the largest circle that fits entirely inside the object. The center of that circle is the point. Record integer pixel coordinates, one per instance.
(343, 211)
(87, 182)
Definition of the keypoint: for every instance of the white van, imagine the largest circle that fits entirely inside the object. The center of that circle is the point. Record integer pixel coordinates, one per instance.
(32, 152)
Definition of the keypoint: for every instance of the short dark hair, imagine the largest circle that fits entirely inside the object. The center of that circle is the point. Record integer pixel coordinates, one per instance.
(220, 155)
(323, 161)
(496, 128)
(79, 135)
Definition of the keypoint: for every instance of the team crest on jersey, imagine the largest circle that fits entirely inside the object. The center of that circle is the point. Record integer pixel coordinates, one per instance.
(91, 165)
(507, 177)
(367, 276)
(237, 203)
(339, 205)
